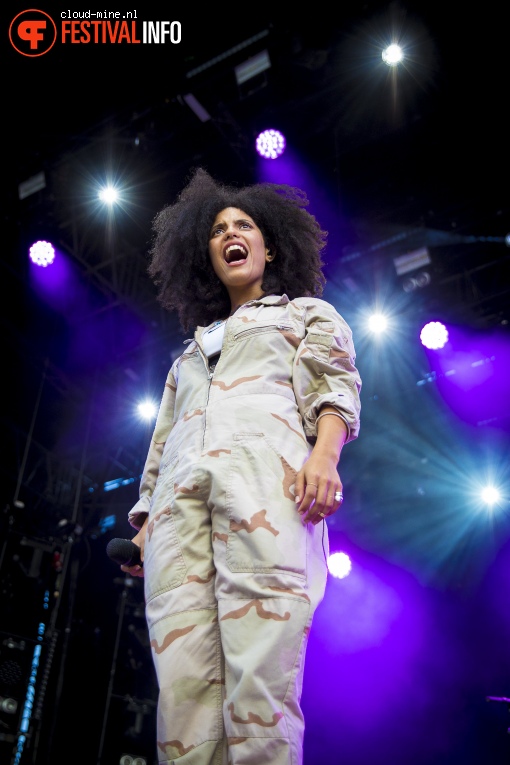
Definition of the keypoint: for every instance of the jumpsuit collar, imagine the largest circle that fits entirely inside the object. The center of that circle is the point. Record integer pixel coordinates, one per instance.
(264, 300)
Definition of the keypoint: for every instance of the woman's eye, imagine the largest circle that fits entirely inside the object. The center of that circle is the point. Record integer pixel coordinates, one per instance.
(245, 225)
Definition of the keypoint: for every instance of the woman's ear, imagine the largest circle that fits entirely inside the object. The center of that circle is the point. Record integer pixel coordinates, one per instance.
(270, 255)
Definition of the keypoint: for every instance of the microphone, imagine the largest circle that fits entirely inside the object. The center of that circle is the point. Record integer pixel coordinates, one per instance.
(124, 552)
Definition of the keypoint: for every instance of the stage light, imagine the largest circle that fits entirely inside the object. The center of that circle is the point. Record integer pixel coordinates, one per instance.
(109, 195)
(490, 495)
(392, 55)
(270, 144)
(42, 253)
(252, 67)
(8, 705)
(377, 323)
(423, 279)
(196, 107)
(147, 410)
(339, 565)
(434, 335)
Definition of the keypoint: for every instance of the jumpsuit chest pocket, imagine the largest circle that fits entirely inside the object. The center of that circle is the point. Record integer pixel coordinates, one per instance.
(266, 534)
(260, 328)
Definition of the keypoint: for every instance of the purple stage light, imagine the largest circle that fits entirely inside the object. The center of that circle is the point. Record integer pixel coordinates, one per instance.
(434, 335)
(42, 253)
(339, 565)
(270, 144)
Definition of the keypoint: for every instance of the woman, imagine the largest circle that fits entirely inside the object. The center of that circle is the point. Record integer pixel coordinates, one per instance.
(242, 470)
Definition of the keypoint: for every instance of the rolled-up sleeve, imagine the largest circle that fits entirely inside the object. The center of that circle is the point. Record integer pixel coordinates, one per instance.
(162, 429)
(324, 371)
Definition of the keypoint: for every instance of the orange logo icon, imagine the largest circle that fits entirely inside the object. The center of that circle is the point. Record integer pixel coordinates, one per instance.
(32, 33)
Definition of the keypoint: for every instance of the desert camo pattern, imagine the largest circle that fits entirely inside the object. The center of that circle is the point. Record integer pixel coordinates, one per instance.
(232, 574)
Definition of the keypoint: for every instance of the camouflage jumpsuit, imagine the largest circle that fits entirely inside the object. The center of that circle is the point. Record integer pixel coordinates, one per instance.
(232, 574)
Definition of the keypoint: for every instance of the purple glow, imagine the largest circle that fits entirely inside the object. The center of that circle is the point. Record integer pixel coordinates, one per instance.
(339, 565)
(434, 335)
(472, 374)
(270, 144)
(42, 253)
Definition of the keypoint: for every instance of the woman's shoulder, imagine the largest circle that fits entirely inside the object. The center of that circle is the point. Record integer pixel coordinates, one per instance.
(317, 311)
(315, 305)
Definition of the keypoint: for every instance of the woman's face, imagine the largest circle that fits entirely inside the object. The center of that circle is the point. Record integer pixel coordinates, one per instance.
(238, 254)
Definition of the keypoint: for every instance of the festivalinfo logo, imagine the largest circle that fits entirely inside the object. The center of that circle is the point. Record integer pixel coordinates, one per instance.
(34, 33)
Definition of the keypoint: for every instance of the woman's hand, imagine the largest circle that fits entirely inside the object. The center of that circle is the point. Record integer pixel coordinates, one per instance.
(139, 540)
(318, 487)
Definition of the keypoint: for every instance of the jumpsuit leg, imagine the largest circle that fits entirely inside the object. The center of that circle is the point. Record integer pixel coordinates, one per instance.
(270, 577)
(182, 616)
(232, 580)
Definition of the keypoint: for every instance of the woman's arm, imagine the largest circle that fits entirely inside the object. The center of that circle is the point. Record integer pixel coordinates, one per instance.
(318, 480)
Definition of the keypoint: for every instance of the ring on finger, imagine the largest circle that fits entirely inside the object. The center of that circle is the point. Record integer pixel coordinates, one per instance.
(339, 497)
(322, 515)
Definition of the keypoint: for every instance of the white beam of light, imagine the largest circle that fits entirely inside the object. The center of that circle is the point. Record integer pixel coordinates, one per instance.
(434, 335)
(490, 495)
(109, 195)
(42, 253)
(392, 55)
(339, 565)
(147, 410)
(377, 323)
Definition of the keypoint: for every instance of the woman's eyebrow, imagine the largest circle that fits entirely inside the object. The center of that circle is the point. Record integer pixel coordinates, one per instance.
(219, 223)
(216, 224)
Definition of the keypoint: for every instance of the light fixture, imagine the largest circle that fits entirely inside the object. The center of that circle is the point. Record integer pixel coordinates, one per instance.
(42, 253)
(252, 67)
(270, 144)
(109, 195)
(490, 495)
(339, 565)
(196, 107)
(147, 410)
(434, 335)
(377, 323)
(392, 55)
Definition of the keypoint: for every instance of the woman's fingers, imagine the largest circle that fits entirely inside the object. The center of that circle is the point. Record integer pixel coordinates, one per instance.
(326, 501)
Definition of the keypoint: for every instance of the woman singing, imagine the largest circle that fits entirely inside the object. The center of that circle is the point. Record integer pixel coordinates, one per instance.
(242, 470)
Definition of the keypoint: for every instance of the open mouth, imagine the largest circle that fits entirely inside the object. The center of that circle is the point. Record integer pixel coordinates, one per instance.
(235, 253)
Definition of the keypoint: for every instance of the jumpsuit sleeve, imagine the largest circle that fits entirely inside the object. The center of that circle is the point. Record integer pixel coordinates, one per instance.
(164, 424)
(324, 369)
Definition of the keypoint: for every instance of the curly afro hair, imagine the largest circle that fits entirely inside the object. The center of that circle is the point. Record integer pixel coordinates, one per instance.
(179, 256)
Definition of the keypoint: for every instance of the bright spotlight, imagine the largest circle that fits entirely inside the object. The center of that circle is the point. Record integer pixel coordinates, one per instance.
(434, 335)
(42, 253)
(339, 565)
(109, 195)
(147, 410)
(392, 55)
(377, 323)
(490, 495)
(270, 144)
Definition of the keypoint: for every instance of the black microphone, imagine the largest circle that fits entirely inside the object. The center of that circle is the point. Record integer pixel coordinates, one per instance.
(124, 552)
